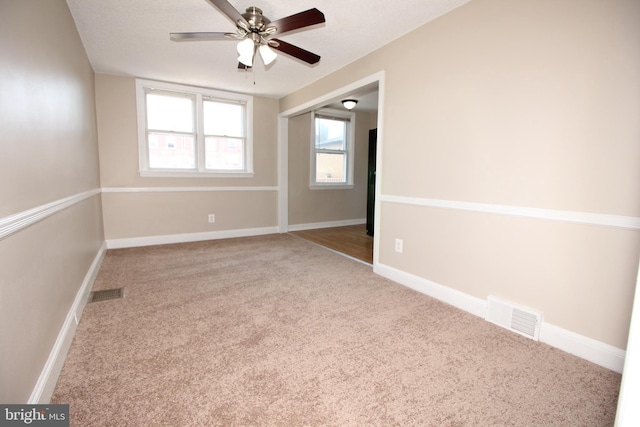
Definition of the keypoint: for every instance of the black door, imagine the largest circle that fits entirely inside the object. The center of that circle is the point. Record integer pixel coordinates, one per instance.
(371, 186)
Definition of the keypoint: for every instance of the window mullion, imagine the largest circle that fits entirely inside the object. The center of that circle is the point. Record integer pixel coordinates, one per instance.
(200, 146)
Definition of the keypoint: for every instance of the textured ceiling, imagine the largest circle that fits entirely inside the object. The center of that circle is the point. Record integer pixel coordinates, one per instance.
(131, 38)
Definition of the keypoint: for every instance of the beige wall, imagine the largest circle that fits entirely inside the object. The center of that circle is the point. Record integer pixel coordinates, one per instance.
(143, 214)
(147, 214)
(518, 104)
(308, 206)
(48, 151)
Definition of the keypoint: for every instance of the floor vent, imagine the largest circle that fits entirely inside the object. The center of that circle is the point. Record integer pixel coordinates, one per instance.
(521, 320)
(106, 294)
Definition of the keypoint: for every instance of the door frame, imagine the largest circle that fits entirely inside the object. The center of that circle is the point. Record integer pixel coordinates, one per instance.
(283, 148)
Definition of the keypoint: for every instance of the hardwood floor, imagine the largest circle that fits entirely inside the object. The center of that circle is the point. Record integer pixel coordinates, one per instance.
(351, 240)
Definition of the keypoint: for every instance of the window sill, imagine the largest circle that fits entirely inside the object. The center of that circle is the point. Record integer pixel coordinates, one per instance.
(195, 174)
(331, 186)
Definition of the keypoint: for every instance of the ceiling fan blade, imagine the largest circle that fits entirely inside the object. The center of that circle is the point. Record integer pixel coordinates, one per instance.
(181, 37)
(295, 51)
(232, 13)
(299, 20)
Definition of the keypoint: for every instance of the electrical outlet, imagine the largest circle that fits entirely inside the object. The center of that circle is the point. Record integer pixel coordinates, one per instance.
(212, 218)
(399, 245)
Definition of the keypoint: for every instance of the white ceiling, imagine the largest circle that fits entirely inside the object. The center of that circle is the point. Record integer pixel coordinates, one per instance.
(131, 38)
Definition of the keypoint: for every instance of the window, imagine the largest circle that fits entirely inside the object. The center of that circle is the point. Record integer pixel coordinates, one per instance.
(187, 131)
(332, 149)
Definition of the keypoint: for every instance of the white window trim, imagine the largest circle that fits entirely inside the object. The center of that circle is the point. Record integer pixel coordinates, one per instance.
(200, 93)
(351, 116)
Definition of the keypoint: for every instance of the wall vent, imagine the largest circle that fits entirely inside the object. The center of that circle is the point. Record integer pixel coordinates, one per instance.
(521, 320)
(106, 294)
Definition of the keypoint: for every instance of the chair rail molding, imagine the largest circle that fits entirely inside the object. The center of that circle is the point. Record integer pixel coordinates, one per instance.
(618, 221)
(13, 223)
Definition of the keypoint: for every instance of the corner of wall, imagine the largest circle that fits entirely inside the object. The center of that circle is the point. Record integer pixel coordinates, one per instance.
(45, 386)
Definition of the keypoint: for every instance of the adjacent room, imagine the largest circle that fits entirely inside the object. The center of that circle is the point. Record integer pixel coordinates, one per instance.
(422, 212)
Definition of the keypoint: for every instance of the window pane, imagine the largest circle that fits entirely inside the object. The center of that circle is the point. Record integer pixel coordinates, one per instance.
(331, 167)
(223, 119)
(331, 134)
(170, 151)
(174, 113)
(224, 153)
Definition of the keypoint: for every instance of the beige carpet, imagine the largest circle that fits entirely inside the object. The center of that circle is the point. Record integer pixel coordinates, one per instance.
(274, 330)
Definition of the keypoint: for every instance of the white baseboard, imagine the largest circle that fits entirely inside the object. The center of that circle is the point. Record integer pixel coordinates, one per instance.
(327, 224)
(133, 242)
(453, 297)
(586, 348)
(46, 383)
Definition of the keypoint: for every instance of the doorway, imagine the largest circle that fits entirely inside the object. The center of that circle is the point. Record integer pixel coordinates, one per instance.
(373, 83)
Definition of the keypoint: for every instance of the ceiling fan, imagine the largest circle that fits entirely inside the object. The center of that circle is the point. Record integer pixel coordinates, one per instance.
(256, 33)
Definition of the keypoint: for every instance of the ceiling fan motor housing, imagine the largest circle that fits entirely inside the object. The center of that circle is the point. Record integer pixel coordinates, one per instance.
(257, 21)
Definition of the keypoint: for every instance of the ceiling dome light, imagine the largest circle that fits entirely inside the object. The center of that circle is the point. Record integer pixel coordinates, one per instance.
(246, 51)
(267, 54)
(349, 104)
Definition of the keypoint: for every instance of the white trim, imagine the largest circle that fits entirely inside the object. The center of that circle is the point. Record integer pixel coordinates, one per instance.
(618, 221)
(46, 383)
(377, 208)
(182, 189)
(628, 410)
(327, 224)
(158, 173)
(468, 303)
(586, 348)
(333, 95)
(133, 242)
(283, 174)
(14, 223)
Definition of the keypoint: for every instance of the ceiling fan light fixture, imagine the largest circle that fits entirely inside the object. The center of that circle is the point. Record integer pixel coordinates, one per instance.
(267, 54)
(246, 60)
(245, 47)
(245, 50)
(349, 104)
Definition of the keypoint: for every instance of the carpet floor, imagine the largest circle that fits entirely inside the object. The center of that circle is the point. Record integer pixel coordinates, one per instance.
(274, 330)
